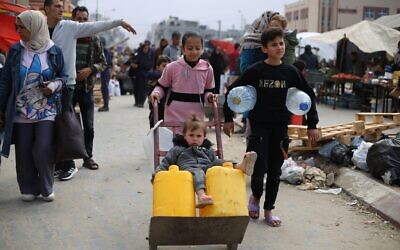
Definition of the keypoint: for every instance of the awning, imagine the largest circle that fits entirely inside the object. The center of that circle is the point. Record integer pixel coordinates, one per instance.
(8, 35)
(392, 21)
(366, 35)
(10, 7)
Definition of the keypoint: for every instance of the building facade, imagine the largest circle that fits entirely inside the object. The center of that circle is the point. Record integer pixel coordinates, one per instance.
(326, 15)
(165, 28)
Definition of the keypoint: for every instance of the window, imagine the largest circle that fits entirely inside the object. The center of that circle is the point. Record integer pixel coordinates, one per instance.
(372, 13)
(289, 16)
(382, 12)
(296, 15)
(304, 14)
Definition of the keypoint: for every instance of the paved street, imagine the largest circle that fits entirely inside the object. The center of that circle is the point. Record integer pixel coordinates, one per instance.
(111, 208)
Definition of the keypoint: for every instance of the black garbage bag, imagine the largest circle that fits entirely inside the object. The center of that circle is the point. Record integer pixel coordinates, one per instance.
(383, 159)
(341, 154)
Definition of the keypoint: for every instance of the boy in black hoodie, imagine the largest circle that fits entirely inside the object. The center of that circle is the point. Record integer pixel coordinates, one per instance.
(269, 119)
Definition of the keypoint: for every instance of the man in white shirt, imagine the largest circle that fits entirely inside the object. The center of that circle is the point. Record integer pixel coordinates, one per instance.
(64, 34)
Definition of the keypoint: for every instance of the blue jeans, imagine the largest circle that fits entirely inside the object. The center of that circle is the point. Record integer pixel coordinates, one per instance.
(105, 79)
(86, 106)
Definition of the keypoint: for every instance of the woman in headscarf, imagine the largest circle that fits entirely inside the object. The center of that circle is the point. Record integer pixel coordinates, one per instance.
(30, 90)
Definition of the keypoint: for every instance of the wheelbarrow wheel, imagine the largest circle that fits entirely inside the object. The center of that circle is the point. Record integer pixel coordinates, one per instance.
(232, 246)
(152, 247)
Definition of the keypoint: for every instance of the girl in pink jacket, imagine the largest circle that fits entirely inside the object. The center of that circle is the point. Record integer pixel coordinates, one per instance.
(186, 82)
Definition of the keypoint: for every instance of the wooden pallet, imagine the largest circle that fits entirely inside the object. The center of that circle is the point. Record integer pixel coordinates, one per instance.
(97, 96)
(367, 124)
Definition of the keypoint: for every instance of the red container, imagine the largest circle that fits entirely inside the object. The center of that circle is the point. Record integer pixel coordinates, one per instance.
(296, 120)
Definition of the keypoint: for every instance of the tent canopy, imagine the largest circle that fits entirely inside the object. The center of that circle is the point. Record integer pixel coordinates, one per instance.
(325, 51)
(392, 21)
(11, 7)
(366, 35)
(8, 35)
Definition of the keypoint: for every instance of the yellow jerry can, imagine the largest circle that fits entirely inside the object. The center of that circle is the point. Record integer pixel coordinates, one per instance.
(173, 193)
(227, 186)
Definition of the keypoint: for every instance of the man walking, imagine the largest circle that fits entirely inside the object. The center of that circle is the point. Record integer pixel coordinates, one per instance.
(64, 33)
(172, 50)
(89, 61)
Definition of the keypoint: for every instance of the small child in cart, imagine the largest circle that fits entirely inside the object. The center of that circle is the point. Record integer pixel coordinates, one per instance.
(193, 152)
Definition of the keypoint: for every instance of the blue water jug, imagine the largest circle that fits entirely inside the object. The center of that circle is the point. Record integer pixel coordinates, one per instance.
(242, 99)
(297, 102)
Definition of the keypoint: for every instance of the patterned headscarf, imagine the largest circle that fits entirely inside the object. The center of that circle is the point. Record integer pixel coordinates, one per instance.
(252, 38)
(36, 23)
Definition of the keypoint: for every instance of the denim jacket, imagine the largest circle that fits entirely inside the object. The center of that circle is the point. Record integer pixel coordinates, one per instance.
(10, 86)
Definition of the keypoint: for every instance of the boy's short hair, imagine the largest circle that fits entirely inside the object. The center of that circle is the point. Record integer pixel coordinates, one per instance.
(281, 19)
(79, 8)
(162, 59)
(176, 34)
(270, 34)
(193, 123)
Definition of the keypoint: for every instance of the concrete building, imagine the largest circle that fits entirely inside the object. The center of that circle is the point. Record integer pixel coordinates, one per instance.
(325, 15)
(165, 28)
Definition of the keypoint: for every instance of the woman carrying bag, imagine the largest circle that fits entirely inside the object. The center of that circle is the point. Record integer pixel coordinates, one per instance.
(30, 91)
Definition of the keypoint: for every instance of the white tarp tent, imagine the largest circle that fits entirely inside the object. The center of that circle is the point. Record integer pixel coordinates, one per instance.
(392, 21)
(325, 51)
(366, 35)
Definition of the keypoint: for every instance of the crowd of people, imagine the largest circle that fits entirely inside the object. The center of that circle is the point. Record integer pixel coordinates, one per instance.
(55, 54)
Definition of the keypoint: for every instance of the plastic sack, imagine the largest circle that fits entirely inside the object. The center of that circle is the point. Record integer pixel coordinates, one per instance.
(242, 99)
(291, 172)
(383, 158)
(297, 102)
(341, 154)
(326, 149)
(356, 142)
(165, 142)
(359, 158)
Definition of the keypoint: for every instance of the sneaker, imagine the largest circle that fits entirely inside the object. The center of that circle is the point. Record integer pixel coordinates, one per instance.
(57, 173)
(65, 176)
(90, 164)
(28, 197)
(103, 109)
(49, 198)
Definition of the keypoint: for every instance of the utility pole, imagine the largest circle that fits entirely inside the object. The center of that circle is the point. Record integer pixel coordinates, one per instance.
(97, 10)
(219, 29)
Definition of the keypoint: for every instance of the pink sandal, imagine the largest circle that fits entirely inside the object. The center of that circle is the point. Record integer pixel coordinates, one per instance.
(254, 209)
(273, 221)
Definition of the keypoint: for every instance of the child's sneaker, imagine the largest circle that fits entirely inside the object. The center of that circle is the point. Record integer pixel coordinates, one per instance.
(28, 197)
(49, 198)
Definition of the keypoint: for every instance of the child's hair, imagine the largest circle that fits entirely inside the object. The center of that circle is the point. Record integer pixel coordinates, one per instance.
(162, 59)
(191, 34)
(300, 65)
(176, 34)
(270, 34)
(193, 123)
(281, 19)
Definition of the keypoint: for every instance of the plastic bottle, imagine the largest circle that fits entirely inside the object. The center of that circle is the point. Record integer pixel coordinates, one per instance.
(388, 72)
(242, 99)
(297, 102)
(227, 186)
(173, 193)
